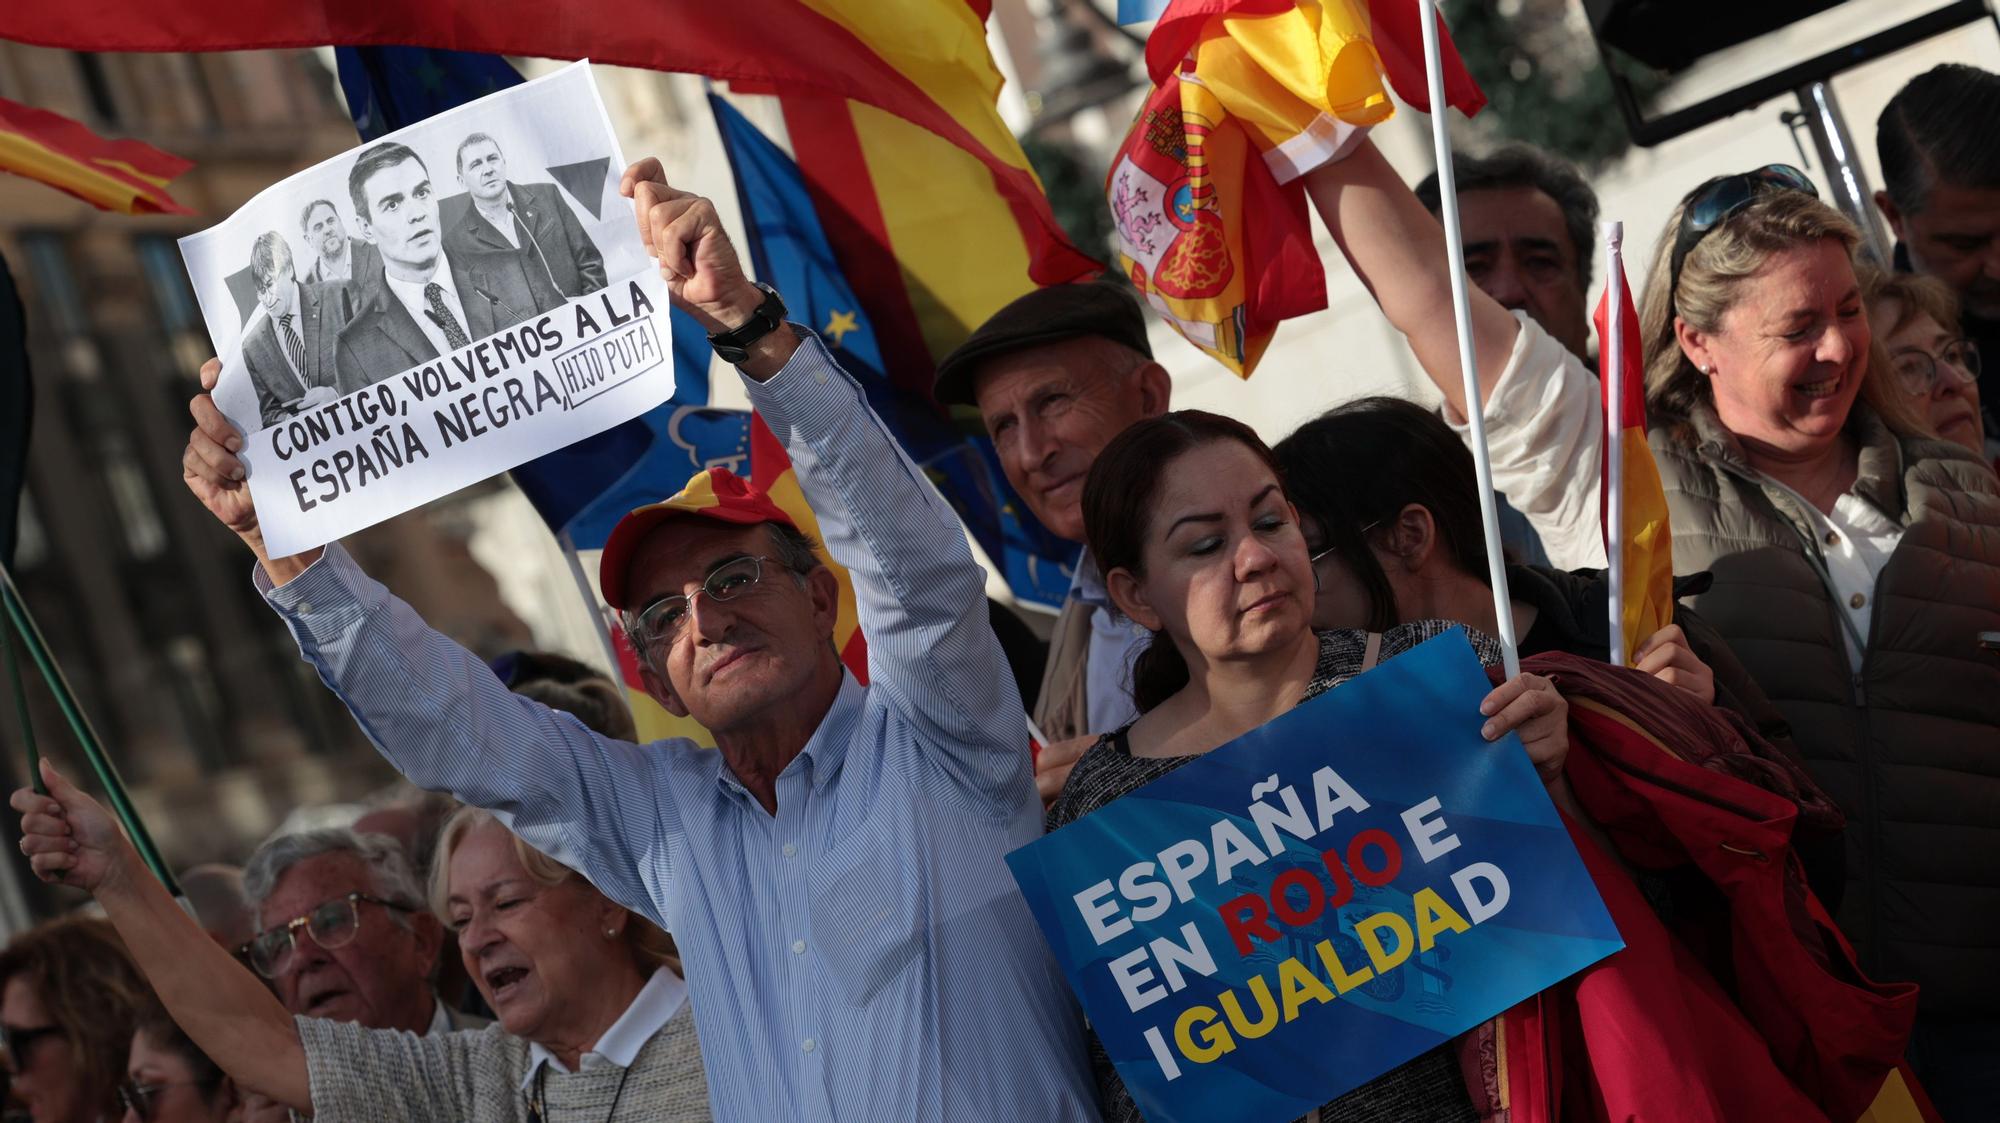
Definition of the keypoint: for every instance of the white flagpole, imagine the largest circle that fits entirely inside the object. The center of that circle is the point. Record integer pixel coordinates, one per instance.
(1612, 363)
(1482, 460)
(597, 621)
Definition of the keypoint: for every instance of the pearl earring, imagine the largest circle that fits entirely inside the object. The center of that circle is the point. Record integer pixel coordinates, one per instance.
(611, 933)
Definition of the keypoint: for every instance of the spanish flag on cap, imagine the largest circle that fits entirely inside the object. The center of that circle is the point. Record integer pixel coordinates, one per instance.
(713, 493)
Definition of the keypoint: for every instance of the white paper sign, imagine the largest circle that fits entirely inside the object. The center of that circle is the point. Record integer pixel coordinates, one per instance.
(431, 309)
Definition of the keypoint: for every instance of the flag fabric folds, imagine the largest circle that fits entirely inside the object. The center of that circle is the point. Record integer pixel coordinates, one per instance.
(1248, 96)
(1641, 548)
(926, 64)
(111, 175)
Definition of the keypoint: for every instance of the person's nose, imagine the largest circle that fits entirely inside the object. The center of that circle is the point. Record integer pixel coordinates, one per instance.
(1038, 443)
(1254, 558)
(710, 620)
(1835, 347)
(1504, 283)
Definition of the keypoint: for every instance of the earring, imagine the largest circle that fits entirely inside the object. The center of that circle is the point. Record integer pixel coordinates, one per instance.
(611, 933)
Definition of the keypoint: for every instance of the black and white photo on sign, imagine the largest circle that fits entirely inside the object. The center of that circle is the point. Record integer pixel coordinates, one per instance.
(481, 251)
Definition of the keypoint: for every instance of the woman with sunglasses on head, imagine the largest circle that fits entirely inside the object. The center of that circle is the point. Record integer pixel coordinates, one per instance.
(1198, 543)
(1855, 556)
(1916, 317)
(169, 1080)
(594, 1023)
(69, 995)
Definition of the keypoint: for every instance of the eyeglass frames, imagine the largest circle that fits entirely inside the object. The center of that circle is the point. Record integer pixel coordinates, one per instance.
(1917, 372)
(331, 924)
(661, 623)
(139, 1098)
(1714, 202)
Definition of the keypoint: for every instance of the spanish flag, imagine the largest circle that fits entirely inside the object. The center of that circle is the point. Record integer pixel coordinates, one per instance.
(1637, 539)
(1249, 96)
(111, 175)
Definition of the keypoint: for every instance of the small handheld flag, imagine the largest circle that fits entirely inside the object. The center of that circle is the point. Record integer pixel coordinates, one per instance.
(1637, 539)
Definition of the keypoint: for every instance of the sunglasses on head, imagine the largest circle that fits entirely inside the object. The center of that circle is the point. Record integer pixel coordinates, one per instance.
(1714, 202)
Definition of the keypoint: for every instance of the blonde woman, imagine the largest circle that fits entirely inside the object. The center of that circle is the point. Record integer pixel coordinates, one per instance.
(1855, 557)
(594, 1023)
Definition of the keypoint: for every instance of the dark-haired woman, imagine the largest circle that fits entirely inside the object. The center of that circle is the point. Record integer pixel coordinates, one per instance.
(170, 1080)
(1389, 506)
(1198, 543)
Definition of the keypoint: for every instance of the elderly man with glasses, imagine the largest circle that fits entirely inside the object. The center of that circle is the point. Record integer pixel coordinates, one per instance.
(342, 932)
(834, 871)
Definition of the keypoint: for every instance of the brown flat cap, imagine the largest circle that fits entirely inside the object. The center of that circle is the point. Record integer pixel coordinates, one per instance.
(1103, 307)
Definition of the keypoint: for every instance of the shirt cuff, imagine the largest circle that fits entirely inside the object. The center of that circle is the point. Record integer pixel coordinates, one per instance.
(1328, 140)
(324, 600)
(810, 384)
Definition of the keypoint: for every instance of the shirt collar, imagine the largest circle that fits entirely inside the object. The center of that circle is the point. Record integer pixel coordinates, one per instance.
(825, 750)
(412, 292)
(1087, 584)
(656, 1004)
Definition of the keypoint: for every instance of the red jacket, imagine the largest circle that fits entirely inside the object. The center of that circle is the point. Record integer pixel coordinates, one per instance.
(1735, 998)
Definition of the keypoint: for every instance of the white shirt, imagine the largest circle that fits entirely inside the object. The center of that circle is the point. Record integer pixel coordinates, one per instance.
(1855, 541)
(411, 293)
(1545, 418)
(656, 1004)
(504, 224)
(338, 268)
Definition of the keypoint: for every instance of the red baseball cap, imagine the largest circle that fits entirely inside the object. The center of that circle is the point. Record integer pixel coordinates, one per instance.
(715, 493)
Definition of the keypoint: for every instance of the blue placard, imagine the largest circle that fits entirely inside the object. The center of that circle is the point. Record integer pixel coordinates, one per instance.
(1424, 883)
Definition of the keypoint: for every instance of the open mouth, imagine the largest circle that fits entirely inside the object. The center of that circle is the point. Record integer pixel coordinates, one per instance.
(504, 980)
(1825, 388)
(323, 999)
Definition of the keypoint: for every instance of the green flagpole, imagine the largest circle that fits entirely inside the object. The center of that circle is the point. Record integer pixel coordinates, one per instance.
(93, 749)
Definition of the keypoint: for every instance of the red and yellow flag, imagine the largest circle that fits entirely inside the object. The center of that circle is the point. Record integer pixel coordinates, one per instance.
(1249, 95)
(111, 175)
(1641, 546)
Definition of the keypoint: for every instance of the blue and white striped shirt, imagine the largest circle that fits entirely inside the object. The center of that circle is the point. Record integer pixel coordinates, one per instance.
(862, 955)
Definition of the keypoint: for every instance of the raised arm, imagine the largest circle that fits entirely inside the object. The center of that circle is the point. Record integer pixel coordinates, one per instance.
(435, 710)
(1540, 402)
(1397, 249)
(919, 592)
(71, 840)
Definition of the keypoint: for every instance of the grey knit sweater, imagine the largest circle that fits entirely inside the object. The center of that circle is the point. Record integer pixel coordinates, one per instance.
(388, 1076)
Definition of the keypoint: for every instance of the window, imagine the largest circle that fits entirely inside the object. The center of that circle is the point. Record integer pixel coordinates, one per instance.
(160, 258)
(138, 516)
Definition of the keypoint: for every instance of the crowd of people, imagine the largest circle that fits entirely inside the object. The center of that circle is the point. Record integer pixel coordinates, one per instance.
(845, 935)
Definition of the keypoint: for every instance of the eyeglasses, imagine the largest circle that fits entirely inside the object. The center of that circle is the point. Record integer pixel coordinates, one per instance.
(17, 1043)
(331, 924)
(661, 623)
(1329, 551)
(138, 1098)
(1917, 372)
(1714, 202)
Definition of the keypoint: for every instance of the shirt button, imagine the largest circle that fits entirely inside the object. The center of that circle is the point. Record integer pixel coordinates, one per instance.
(1833, 538)
(1858, 599)
(305, 606)
(808, 1044)
(798, 947)
(791, 850)
(821, 376)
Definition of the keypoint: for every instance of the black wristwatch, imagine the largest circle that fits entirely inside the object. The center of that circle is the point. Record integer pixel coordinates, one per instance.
(734, 346)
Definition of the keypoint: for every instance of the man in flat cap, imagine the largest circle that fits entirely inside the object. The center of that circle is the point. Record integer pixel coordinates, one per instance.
(834, 870)
(1055, 375)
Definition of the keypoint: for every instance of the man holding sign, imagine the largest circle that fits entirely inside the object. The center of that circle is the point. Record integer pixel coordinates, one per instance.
(833, 872)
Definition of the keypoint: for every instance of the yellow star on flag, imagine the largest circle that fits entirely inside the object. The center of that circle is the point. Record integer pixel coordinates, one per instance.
(838, 324)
